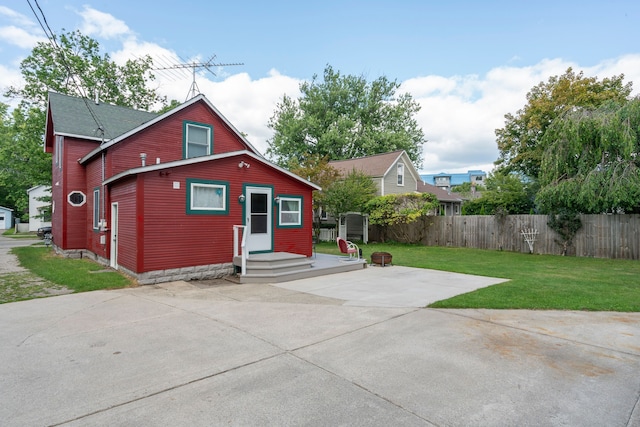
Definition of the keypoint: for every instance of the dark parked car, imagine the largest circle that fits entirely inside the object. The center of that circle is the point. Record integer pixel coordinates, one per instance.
(43, 231)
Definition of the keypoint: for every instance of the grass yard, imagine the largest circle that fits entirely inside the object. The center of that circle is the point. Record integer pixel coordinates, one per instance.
(539, 282)
(78, 275)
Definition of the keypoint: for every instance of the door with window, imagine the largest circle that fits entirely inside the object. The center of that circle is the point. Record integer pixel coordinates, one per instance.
(258, 219)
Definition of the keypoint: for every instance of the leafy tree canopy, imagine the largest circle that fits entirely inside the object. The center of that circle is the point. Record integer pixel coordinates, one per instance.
(400, 210)
(591, 163)
(320, 172)
(342, 117)
(23, 162)
(520, 140)
(504, 194)
(467, 190)
(350, 194)
(74, 66)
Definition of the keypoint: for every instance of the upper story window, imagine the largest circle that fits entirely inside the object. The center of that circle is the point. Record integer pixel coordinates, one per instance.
(197, 140)
(400, 174)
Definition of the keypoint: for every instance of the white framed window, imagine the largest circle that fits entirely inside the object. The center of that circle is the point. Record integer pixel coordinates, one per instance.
(197, 140)
(401, 174)
(58, 151)
(76, 198)
(323, 213)
(207, 197)
(96, 208)
(290, 211)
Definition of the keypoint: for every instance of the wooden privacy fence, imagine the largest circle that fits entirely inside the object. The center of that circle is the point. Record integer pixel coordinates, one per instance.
(601, 236)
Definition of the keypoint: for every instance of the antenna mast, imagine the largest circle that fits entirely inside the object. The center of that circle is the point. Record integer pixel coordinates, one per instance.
(194, 65)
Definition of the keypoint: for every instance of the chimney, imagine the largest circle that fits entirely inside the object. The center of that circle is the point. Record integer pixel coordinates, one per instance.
(143, 158)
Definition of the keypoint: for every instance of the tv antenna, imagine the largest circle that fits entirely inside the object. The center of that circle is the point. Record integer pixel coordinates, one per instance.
(195, 65)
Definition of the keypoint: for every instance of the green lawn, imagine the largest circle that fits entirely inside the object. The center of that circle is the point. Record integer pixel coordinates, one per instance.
(542, 282)
(79, 275)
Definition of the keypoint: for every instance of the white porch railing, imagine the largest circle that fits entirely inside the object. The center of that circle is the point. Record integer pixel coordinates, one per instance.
(243, 246)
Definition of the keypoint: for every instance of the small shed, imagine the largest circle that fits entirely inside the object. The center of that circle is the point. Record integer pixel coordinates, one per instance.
(6, 218)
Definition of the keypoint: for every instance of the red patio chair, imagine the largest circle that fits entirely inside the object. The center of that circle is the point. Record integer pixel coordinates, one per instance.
(349, 248)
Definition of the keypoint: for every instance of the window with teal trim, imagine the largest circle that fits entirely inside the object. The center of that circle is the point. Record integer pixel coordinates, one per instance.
(198, 140)
(290, 212)
(207, 197)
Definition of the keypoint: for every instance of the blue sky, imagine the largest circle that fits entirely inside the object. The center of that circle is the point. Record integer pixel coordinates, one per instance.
(467, 62)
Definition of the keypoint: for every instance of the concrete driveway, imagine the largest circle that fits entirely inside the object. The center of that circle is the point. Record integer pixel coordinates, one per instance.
(197, 354)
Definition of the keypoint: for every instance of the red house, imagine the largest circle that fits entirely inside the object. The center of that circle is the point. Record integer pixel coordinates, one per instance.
(158, 195)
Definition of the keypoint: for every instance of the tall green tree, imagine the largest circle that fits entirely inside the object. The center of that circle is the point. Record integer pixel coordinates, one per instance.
(349, 194)
(520, 141)
(342, 117)
(394, 212)
(23, 162)
(320, 172)
(505, 194)
(592, 161)
(73, 65)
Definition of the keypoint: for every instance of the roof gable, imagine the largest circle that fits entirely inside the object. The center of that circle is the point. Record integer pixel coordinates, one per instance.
(376, 166)
(81, 117)
(159, 118)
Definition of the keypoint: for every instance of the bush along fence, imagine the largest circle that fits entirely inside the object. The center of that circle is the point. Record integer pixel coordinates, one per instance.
(600, 236)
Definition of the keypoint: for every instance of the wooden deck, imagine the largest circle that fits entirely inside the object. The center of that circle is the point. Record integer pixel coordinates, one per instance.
(277, 267)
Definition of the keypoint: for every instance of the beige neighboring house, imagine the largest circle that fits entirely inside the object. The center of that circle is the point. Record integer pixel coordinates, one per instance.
(393, 173)
(38, 207)
(450, 203)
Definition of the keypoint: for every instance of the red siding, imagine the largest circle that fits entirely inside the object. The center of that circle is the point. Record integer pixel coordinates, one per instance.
(155, 231)
(69, 222)
(168, 237)
(164, 140)
(94, 181)
(125, 195)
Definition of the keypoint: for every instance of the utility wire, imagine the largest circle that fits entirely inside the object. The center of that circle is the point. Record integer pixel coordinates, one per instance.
(72, 76)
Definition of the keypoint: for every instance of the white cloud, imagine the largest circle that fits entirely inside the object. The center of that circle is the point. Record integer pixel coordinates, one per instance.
(460, 114)
(9, 77)
(20, 37)
(17, 18)
(22, 31)
(101, 24)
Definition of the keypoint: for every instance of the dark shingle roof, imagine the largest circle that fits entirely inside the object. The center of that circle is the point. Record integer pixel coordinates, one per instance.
(374, 166)
(441, 195)
(71, 116)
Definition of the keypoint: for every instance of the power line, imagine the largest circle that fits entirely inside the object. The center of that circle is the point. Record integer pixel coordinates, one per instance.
(48, 32)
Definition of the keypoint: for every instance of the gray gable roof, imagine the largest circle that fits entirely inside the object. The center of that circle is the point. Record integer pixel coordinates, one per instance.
(72, 117)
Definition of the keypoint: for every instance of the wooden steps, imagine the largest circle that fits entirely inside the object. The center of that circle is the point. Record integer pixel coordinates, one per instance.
(277, 267)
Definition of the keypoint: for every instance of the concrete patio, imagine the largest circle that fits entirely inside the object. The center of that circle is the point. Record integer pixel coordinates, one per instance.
(203, 354)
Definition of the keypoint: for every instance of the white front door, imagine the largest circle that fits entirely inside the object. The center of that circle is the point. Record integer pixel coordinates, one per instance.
(258, 219)
(113, 256)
